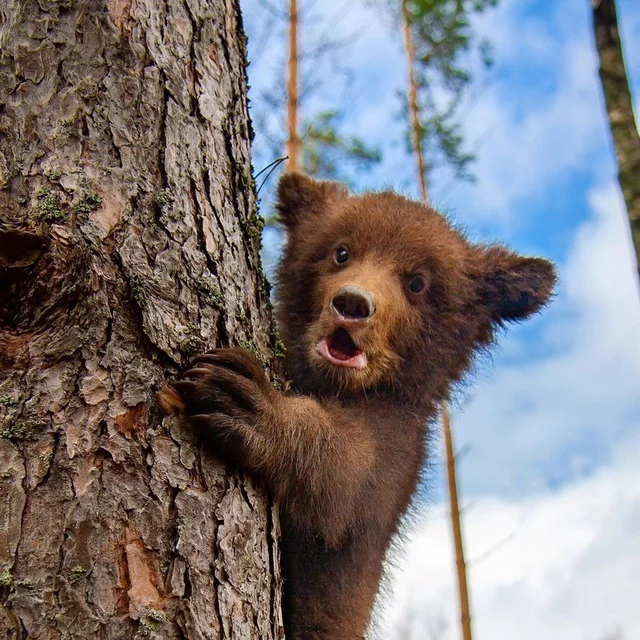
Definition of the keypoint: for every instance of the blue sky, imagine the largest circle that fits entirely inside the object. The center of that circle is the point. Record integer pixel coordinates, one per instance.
(552, 420)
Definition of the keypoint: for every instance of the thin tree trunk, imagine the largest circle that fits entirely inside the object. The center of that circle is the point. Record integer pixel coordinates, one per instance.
(294, 144)
(456, 527)
(412, 102)
(445, 417)
(624, 130)
(128, 241)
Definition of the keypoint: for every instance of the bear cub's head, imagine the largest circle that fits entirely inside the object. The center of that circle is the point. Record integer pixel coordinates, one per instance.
(378, 291)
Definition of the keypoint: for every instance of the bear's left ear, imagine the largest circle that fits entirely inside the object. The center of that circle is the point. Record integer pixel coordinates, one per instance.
(300, 196)
(512, 286)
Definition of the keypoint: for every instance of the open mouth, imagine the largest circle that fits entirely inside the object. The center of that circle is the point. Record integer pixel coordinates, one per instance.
(338, 348)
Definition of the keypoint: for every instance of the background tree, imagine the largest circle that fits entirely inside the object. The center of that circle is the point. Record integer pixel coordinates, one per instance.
(619, 104)
(129, 240)
(444, 48)
(325, 149)
(436, 35)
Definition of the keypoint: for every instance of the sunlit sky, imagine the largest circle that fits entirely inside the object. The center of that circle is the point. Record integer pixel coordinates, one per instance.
(551, 479)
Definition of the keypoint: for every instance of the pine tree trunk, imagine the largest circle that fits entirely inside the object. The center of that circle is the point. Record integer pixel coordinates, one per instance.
(412, 102)
(294, 143)
(129, 240)
(445, 416)
(617, 95)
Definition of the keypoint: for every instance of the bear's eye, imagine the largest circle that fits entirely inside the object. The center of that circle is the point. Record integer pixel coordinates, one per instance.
(417, 284)
(341, 255)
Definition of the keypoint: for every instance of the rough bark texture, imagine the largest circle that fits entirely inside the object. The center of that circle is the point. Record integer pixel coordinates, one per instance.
(624, 130)
(128, 241)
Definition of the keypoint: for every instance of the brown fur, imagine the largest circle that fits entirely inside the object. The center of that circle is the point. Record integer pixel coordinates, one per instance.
(343, 452)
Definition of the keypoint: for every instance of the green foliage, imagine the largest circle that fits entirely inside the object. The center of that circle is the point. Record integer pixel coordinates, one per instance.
(326, 151)
(6, 579)
(445, 48)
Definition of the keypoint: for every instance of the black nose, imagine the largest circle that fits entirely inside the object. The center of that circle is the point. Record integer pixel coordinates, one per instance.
(353, 303)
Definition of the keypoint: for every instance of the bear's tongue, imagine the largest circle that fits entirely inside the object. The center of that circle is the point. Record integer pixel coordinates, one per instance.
(338, 348)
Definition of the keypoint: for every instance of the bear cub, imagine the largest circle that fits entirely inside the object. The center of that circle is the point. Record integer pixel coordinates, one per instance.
(382, 305)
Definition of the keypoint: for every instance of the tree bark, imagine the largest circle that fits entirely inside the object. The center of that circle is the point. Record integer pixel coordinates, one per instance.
(624, 130)
(129, 240)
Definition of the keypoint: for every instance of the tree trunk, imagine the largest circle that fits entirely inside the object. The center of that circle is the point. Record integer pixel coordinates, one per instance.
(445, 416)
(294, 143)
(129, 240)
(412, 102)
(617, 95)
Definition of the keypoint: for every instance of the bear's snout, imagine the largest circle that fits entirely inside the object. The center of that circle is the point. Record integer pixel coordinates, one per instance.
(353, 303)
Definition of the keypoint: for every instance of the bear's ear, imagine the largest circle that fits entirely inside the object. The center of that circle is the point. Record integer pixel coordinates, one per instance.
(511, 286)
(299, 196)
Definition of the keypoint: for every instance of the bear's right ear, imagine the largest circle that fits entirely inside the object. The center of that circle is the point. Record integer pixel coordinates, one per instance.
(300, 196)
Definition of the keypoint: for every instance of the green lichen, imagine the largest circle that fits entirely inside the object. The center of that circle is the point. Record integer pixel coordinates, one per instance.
(32, 590)
(88, 202)
(279, 350)
(170, 214)
(54, 175)
(277, 382)
(16, 431)
(6, 579)
(75, 573)
(164, 197)
(253, 227)
(47, 207)
(249, 345)
(193, 343)
(137, 289)
(6, 400)
(67, 122)
(147, 623)
(155, 616)
(209, 294)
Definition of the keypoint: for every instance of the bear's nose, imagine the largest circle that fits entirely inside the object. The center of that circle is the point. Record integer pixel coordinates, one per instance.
(353, 303)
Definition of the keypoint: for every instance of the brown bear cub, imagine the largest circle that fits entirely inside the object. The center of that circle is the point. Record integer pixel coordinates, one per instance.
(382, 305)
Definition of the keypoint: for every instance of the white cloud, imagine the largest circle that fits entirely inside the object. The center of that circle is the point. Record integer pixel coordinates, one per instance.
(568, 567)
(539, 120)
(554, 459)
(537, 422)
